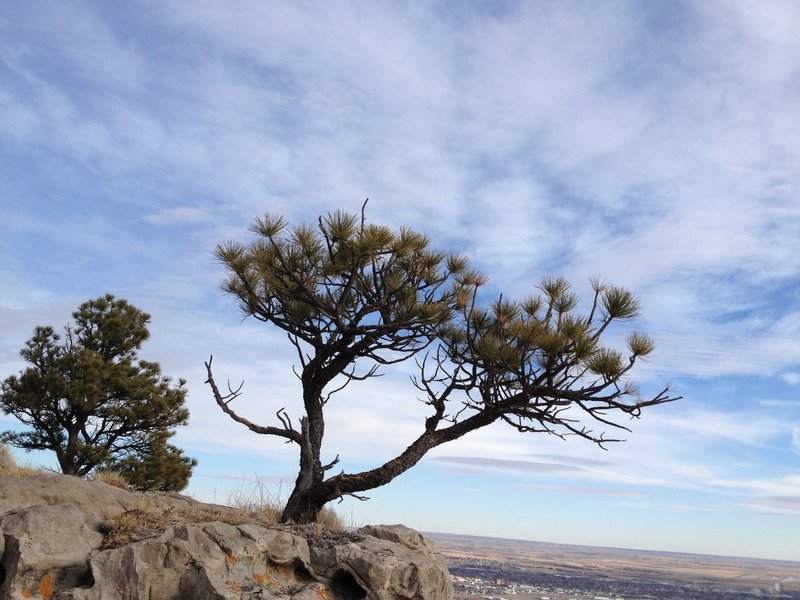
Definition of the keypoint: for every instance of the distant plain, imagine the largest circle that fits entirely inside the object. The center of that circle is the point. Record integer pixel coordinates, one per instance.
(616, 563)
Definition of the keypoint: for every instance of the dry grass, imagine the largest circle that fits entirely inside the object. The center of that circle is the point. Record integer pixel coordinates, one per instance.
(331, 520)
(256, 505)
(112, 478)
(258, 497)
(10, 468)
(6, 459)
(149, 518)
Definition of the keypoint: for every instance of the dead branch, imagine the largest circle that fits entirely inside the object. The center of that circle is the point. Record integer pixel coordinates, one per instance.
(224, 401)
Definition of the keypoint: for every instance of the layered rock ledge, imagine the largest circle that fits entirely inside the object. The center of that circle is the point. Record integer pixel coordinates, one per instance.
(54, 545)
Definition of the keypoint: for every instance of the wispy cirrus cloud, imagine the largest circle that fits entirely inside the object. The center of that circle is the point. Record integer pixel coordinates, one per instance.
(783, 486)
(505, 464)
(777, 504)
(596, 491)
(179, 215)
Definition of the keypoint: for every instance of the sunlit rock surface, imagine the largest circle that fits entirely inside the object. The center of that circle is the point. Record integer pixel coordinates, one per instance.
(52, 547)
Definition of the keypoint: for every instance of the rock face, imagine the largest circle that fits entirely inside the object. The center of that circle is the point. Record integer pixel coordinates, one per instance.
(52, 548)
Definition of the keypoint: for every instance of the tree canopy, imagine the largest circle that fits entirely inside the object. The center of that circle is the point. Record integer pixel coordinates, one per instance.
(92, 401)
(354, 296)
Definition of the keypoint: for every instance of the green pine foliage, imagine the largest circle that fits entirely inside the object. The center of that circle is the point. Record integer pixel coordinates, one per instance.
(163, 467)
(91, 400)
(358, 286)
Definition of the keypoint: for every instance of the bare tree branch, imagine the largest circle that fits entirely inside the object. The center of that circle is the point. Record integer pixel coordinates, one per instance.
(224, 401)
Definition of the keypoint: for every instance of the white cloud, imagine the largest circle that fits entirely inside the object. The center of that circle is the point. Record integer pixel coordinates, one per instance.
(785, 486)
(587, 490)
(525, 466)
(707, 425)
(178, 216)
(781, 504)
(791, 378)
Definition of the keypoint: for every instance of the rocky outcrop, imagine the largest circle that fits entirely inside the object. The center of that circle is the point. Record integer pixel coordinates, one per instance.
(392, 561)
(52, 547)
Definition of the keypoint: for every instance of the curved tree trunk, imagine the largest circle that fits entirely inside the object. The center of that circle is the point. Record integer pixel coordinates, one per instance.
(311, 492)
(304, 504)
(367, 480)
(306, 499)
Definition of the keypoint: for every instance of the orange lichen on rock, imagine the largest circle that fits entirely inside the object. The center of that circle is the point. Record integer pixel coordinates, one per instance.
(47, 586)
(26, 593)
(261, 578)
(233, 585)
(231, 559)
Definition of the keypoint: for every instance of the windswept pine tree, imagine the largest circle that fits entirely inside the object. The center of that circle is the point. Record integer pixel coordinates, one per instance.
(353, 297)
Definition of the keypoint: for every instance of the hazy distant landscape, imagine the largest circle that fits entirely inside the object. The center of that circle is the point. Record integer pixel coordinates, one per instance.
(494, 567)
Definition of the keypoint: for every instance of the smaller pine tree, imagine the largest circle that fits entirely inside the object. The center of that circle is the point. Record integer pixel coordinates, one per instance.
(92, 401)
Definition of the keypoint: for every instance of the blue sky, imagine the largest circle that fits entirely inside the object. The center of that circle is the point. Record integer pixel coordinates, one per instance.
(654, 144)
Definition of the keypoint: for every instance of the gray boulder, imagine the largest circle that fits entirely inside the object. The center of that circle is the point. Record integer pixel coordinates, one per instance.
(50, 526)
(96, 500)
(52, 547)
(208, 560)
(45, 544)
(388, 561)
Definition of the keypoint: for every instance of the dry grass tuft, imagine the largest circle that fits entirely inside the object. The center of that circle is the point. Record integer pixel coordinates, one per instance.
(6, 459)
(10, 468)
(330, 520)
(257, 505)
(149, 518)
(112, 478)
(144, 520)
(258, 498)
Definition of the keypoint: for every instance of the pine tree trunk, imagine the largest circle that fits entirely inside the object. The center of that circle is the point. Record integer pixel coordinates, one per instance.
(303, 506)
(307, 497)
(306, 501)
